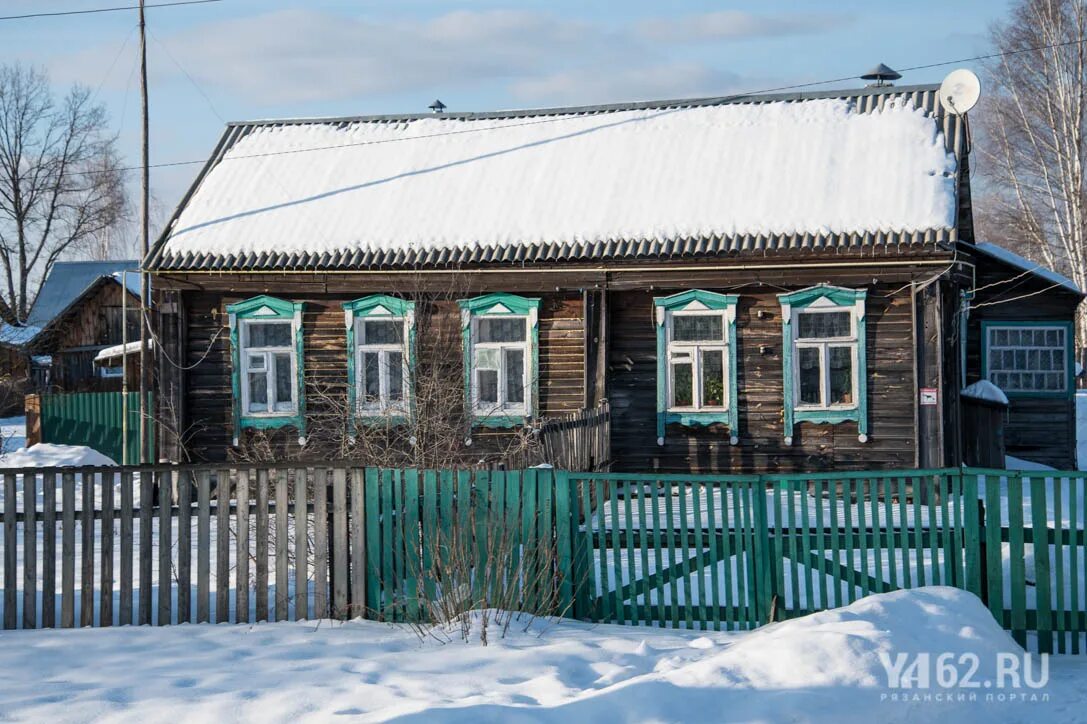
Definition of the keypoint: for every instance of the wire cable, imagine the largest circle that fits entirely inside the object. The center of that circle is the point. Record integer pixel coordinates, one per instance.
(92, 11)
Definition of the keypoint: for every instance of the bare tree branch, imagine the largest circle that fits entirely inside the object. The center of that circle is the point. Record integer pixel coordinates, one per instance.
(61, 186)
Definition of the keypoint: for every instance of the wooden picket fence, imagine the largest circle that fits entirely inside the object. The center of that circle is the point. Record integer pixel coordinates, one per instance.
(162, 545)
(167, 544)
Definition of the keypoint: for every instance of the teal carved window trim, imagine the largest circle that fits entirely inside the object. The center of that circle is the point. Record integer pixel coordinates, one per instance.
(380, 307)
(702, 350)
(501, 355)
(820, 350)
(1016, 365)
(246, 315)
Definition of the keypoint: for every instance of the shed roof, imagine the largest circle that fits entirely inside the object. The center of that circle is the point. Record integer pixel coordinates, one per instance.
(66, 281)
(994, 251)
(696, 177)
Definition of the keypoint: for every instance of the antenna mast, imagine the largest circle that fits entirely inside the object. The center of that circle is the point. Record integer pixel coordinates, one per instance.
(145, 195)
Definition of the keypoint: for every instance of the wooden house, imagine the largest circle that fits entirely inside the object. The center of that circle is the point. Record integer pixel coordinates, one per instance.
(753, 283)
(1021, 337)
(82, 310)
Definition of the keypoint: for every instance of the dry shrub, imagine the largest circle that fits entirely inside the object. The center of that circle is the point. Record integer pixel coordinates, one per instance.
(475, 579)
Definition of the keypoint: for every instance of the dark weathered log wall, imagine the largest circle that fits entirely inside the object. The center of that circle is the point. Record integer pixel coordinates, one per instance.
(622, 337)
(1039, 429)
(208, 384)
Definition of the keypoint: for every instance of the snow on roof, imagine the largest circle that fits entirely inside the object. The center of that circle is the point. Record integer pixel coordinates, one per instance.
(987, 391)
(118, 350)
(816, 166)
(17, 335)
(1010, 257)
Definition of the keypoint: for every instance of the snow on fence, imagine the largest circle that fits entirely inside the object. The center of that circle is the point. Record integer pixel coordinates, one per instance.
(159, 545)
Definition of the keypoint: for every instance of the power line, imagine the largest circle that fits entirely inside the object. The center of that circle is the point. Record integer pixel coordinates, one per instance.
(553, 119)
(92, 11)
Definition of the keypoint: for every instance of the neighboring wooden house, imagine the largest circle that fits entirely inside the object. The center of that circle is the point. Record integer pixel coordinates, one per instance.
(1021, 337)
(14, 360)
(82, 308)
(754, 283)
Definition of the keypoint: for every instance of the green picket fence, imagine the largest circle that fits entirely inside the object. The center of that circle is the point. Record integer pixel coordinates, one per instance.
(736, 552)
(94, 419)
(494, 538)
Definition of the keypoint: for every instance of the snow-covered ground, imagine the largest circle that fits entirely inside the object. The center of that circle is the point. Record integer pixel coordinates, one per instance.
(822, 668)
(47, 454)
(12, 434)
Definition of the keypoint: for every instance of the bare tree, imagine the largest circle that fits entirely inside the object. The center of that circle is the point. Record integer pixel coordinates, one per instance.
(61, 185)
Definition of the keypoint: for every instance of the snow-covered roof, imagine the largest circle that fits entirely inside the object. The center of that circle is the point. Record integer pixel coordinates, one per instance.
(118, 350)
(986, 391)
(1010, 257)
(16, 335)
(428, 189)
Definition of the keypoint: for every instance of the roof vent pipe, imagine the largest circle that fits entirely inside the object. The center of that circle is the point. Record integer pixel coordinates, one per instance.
(882, 75)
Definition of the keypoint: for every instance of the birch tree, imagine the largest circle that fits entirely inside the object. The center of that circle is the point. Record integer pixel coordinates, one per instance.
(1032, 148)
(61, 186)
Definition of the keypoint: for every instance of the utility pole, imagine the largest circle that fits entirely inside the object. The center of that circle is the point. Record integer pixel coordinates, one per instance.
(145, 195)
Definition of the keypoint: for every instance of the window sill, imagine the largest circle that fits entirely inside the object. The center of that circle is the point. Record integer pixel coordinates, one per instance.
(271, 421)
(511, 420)
(378, 419)
(830, 416)
(691, 418)
(1020, 395)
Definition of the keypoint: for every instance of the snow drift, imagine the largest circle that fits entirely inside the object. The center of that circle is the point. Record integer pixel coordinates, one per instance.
(824, 667)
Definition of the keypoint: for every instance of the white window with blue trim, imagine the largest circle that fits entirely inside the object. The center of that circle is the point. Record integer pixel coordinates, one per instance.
(1028, 359)
(380, 352)
(824, 371)
(266, 352)
(500, 358)
(696, 370)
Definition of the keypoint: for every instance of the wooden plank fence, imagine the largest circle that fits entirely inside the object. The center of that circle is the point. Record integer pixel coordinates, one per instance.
(269, 544)
(167, 544)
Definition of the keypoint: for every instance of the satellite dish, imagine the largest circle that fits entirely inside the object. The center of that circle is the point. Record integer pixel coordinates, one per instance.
(960, 91)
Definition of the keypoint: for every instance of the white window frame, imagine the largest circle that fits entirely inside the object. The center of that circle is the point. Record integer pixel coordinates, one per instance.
(824, 344)
(695, 349)
(109, 372)
(268, 354)
(502, 408)
(990, 329)
(384, 405)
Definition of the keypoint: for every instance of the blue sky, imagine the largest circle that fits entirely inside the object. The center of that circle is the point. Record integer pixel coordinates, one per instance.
(241, 59)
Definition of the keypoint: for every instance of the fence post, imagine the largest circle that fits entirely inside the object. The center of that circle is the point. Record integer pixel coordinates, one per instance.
(974, 521)
(764, 592)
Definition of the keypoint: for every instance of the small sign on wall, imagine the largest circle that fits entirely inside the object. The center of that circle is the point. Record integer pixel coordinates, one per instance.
(928, 396)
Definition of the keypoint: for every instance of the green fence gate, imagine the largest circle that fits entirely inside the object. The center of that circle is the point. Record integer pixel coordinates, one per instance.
(736, 552)
(94, 419)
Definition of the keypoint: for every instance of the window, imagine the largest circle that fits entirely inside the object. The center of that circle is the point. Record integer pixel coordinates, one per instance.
(110, 372)
(696, 377)
(500, 357)
(380, 350)
(826, 350)
(1028, 359)
(824, 357)
(266, 351)
(269, 383)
